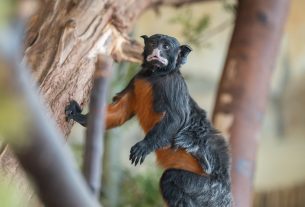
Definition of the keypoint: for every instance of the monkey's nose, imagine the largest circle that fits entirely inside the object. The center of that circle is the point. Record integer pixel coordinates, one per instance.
(156, 52)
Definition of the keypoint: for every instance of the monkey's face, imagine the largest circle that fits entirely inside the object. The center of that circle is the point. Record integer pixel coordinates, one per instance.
(164, 53)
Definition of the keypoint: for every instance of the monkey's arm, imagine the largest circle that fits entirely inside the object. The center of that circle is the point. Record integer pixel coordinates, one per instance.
(161, 135)
(118, 112)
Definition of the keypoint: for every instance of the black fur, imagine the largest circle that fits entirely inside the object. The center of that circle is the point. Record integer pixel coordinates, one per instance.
(73, 111)
(184, 126)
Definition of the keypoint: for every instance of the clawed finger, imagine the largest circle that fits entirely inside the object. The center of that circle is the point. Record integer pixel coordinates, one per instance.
(137, 155)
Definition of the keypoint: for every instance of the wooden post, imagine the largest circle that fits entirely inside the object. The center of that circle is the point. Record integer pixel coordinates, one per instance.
(244, 86)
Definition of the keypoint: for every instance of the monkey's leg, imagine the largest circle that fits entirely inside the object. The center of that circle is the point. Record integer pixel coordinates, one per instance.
(183, 188)
(172, 193)
(118, 112)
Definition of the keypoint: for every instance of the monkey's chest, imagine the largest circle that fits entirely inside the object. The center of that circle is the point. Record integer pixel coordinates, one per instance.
(144, 105)
(144, 108)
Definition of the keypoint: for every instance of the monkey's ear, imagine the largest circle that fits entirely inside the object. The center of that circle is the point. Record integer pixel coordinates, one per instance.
(183, 53)
(145, 37)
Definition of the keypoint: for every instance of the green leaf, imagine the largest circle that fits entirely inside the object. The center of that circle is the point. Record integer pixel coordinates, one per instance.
(202, 24)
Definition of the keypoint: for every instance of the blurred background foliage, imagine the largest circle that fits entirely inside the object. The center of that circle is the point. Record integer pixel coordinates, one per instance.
(140, 190)
(6, 11)
(191, 30)
(195, 28)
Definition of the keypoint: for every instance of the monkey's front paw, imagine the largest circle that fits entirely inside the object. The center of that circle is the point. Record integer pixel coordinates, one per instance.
(72, 109)
(138, 152)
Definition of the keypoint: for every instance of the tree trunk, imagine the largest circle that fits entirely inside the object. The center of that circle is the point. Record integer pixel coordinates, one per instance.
(244, 85)
(62, 42)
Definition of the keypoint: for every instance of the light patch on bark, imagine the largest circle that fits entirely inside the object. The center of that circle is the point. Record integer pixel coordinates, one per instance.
(232, 72)
(223, 122)
(226, 98)
(101, 46)
(118, 49)
(67, 41)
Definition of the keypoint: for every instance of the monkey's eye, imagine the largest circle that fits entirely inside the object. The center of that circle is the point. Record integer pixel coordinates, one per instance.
(165, 46)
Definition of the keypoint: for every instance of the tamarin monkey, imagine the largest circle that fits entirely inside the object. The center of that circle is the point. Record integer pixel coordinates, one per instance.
(195, 156)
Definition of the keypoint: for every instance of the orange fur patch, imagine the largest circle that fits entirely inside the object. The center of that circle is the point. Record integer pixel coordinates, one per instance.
(144, 105)
(180, 159)
(119, 112)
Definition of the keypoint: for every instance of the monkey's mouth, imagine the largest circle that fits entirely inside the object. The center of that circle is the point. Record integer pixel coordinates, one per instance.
(157, 59)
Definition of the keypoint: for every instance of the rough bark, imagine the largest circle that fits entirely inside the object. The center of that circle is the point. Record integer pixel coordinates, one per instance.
(244, 85)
